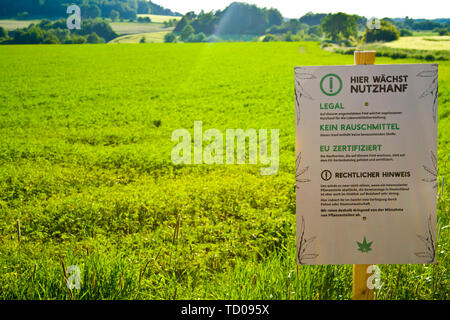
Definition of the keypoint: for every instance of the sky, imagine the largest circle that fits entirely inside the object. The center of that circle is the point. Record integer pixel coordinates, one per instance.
(429, 9)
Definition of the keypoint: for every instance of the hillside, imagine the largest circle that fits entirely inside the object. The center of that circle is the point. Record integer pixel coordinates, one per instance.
(126, 9)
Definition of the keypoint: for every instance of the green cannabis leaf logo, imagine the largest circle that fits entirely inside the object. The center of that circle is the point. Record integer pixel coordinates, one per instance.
(364, 246)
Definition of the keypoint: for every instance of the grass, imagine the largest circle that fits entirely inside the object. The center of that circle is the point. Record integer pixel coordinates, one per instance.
(421, 43)
(129, 32)
(151, 37)
(383, 50)
(159, 18)
(423, 33)
(125, 28)
(85, 167)
(10, 24)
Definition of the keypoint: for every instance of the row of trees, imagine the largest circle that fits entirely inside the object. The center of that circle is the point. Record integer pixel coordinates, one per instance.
(341, 26)
(426, 25)
(125, 9)
(241, 18)
(400, 23)
(48, 32)
(237, 18)
(153, 8)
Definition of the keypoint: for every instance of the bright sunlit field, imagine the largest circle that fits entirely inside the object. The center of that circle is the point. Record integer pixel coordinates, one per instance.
(421, 43)
(85, 169)
(159, 18)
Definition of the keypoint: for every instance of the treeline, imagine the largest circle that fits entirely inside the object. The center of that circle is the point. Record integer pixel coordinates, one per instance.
(420, 24)
(240, 19)
(245, 19)
(153, 8)
(237, 18)
(124, 9)
(48, 32)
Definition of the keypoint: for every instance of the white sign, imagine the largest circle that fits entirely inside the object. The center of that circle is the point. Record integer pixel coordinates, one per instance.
(366, 169)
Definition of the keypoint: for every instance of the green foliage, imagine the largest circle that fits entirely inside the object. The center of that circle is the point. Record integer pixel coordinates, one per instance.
(51, 38)
(293, 26)
(205, 22)
(114, 15)
(420, 24)
(170, 37)
(425, 25)
(300, 36)
(443, 31)
(144, 20)
(94, 38)
(187, 31)
(198, 37)
(85, 167)
(269, 38)
(23, 15)
(242, 18)
(127, 9)
(238, 18)
(32, 35)
(386, 32)
(315, 30)
(396, 53)
(99, 27)
(340, 25)
(57, 8)
(349, 42)
(50, 32)
(274, 17)
(288, 36)
(405, 33)
(75, 39)
(3, 32)
(313, 19)
(170, 23)
(182, 23)
(145, 7)
(90, 11)
(214, 38)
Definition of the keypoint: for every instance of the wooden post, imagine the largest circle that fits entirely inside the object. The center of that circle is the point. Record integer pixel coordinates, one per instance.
(365, 57)
(360, 275)
(360, 289)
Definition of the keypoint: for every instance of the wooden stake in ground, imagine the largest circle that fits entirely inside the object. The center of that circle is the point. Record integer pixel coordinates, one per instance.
(360, 275)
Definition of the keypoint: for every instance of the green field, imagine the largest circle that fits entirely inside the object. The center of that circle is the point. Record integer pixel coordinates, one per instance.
(15, 24)
(159, 18)
(124, 28)
(423, 33)
(85, 167)
(150, 37)
(421, 43)
(121, 28)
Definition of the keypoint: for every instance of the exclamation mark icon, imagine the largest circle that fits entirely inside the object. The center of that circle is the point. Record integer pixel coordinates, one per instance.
(331, 84)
